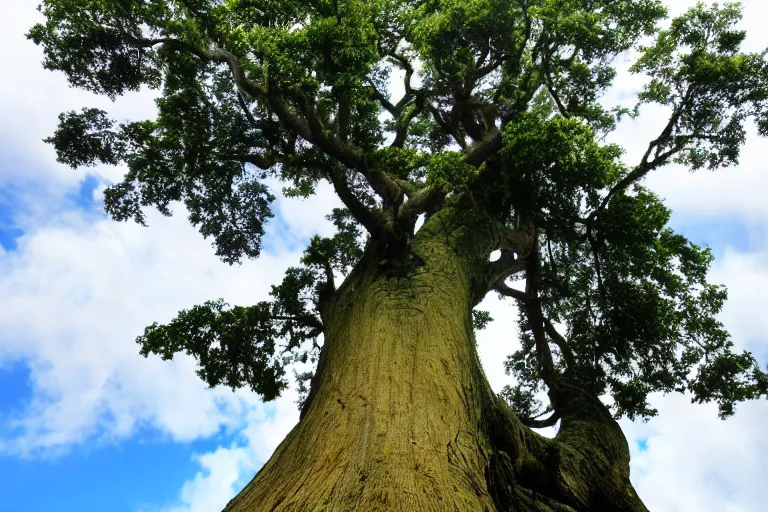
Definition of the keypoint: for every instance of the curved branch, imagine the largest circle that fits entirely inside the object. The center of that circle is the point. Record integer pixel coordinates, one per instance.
(382, 99)
(555, 96)
(482, 150)
(369, 219)
(531, 301)
(549, 373)
(403, 123)
(403, 63)
(659, 158)
(505, 266)
(506, 290)
(551, 421)
(309, 128)
(561, 343)
(421, 201)
(446, 126)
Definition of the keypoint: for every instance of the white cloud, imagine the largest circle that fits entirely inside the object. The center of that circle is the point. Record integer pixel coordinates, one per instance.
(735, 193)
(225, 470)
(72, 299)
(79, 289)
(694, 461)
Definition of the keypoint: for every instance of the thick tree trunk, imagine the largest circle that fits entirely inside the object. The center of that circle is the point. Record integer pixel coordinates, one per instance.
(401, 417)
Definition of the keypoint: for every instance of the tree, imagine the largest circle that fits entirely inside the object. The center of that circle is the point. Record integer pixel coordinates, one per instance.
(483, 118)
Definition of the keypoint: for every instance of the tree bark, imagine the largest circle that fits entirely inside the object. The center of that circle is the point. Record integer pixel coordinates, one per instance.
(401, 417)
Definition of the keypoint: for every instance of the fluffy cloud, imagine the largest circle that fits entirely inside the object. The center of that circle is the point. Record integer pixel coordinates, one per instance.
(79, 288)
(73, 297)
(226, 470)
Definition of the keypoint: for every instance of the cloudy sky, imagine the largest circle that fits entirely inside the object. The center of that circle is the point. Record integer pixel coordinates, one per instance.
(87, 424)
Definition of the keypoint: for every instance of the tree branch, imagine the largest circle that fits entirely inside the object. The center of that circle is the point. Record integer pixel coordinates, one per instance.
(598, 267)
(403, 123)
(422, 201)
(372, 222)
(659, 159)
(507, 264)
(446, 126)
(506, 290)
(310, 128)
(482, 150)
(342, 115)
(382, 99)
(532, 303)
(490, 67)
(312, 131)
(549, 422)
(561, 343)
(403, 63)
(246, 110)
(308, 320)
(555, 96)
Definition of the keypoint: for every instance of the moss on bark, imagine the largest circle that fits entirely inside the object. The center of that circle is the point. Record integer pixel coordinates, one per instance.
(401, 416)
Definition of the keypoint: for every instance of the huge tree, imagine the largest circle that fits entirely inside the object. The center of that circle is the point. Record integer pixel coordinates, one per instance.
(466, 141)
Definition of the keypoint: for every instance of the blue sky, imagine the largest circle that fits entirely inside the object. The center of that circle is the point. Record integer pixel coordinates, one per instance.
(98, 427)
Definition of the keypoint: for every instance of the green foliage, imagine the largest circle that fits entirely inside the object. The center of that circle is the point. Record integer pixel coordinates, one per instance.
(448, 170)
(641, 316)
(696, 68)
(523, 401)
(184, 155)
(480, 319)
(233, 346)
(340, 252)
(497, 103)
(556, 170)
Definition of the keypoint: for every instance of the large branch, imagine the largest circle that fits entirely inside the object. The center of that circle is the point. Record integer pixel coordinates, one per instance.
(648, 164)
(446, 126)
(482, 150)
(344, 152)
(403, 63)
(371, 220)
(403, 123)
(548, 372)
(531, 301)
(422, 201)
(506, 290)
(408, 107)
(309, 128)
(561, 343)
(555, 336)
(384, 101)
(551, 421)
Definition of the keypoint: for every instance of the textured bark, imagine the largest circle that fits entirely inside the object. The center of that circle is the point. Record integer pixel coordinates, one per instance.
(401, 417)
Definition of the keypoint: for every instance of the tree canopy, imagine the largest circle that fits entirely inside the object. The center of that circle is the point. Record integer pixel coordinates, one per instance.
(406, 108)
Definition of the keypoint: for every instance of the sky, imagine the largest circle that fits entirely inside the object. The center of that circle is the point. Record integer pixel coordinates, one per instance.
(88, 425)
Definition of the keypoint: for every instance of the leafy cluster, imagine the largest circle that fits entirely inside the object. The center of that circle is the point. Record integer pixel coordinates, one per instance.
(402, 107)
(234, 346)
(252, 346)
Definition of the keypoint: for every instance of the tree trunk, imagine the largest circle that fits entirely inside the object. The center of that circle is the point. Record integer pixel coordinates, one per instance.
(401, 417)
